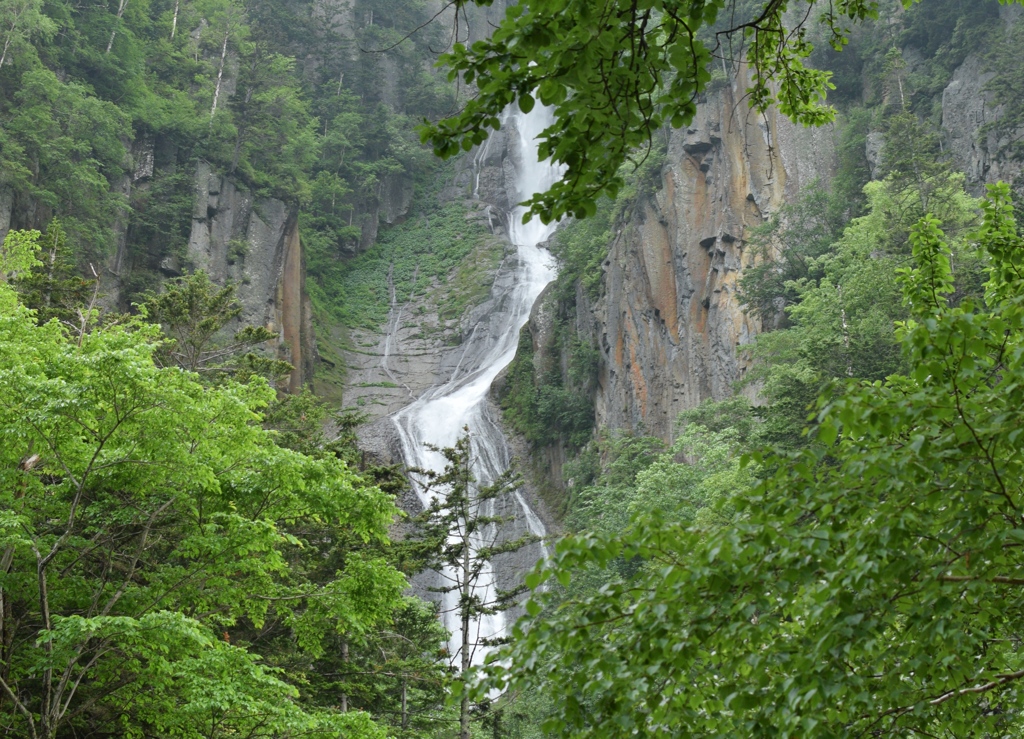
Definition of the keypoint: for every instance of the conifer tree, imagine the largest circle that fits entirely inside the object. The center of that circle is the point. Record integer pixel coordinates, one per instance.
(55, 287)
(466, 535)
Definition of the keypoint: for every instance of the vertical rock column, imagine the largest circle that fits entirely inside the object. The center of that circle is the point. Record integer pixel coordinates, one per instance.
(670, 324)
(254, 243)
(290, 303)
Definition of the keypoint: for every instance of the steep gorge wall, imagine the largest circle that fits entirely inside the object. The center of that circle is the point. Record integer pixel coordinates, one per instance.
(668, 322)
(968, 107)
(255, 244)
(235, 237)
(669, 325)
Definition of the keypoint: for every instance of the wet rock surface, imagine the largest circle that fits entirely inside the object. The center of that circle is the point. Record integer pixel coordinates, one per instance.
(967, 108)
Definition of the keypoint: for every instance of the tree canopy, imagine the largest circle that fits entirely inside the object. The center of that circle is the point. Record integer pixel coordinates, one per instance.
(870, 584)
(616, 71)
(152, 533)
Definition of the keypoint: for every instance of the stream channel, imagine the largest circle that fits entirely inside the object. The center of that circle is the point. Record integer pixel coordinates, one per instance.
(461, 400)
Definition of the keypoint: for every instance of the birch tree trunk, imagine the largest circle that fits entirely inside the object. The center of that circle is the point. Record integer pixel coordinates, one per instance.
(405, 703)
(344, 659)
(120, 12)
(220, 70)
(14, 16)
(7, 45)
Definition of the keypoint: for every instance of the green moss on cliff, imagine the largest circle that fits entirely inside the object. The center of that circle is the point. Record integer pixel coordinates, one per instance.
(408, 258)
(582, 246)
(546, 404)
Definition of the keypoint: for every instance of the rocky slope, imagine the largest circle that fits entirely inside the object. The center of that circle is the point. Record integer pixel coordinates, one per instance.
(668, 323)
(418, 347)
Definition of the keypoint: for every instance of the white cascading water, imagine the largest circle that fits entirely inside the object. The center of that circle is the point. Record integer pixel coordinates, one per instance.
(439, 415)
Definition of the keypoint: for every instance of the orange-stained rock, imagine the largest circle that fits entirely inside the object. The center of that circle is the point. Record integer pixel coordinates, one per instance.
(670, 307)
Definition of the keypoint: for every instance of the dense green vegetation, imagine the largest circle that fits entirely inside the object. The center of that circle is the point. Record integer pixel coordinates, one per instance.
(551, 406)
(185, 552)
(841, 301)
(755, 578)
(464, 533)
(866, 583)
(106, 112)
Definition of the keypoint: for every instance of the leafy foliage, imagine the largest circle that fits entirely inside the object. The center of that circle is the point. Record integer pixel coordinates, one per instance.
(147, 520)
(615, 72)
(195, 313)
(786, 248)
(546, 407)
(842, 303)
(53, 287)
(18, 254)
(874, 593)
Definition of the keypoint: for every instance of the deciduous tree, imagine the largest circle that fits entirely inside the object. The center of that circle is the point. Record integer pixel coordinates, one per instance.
(871, 585)
(145, 519)
(616, 71)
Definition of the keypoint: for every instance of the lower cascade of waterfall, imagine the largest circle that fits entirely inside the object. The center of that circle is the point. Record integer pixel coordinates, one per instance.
(439, 415)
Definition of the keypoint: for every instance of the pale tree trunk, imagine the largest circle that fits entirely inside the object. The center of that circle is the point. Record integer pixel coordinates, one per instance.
(120, 12)
(49, 288)
(220, 70)
(6, 612)
(7, 45)
(46, 725)
(174, 23)
(344, 659)
(405, 703)
(11, 30)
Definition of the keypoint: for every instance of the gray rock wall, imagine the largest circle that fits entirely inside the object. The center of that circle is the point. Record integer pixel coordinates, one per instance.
(966, 108)
(6, 206)
(254, 243)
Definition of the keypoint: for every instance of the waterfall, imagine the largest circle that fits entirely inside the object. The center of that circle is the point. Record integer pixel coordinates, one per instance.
(438, 416)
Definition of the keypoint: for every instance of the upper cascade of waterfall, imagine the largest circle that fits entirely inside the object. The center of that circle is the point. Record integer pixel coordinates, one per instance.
(439, 416)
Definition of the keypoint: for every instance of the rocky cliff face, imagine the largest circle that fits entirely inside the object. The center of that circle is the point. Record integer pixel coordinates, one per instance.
(235, 237)
(254, 243)
(982, 154)
(250, 242)
(668, 324)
